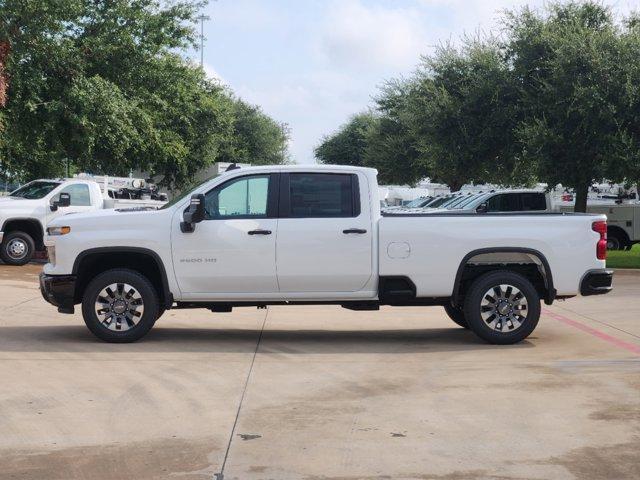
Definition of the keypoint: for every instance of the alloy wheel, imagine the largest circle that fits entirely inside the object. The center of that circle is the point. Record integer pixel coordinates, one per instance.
(119, 307)
(504, 308)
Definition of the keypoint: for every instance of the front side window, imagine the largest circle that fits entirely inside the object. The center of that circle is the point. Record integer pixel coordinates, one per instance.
(321, 195)
(244, 197)
(79, 193)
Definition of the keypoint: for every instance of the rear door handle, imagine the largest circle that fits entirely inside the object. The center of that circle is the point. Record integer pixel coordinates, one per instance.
(259, 232)
(354, 230)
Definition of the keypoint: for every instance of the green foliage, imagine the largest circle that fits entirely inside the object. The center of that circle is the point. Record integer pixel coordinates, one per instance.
(256, 137)
(573, 68)
(392, 146)
(624, 258)
(556, 99)
(347, 145)
(101, 85)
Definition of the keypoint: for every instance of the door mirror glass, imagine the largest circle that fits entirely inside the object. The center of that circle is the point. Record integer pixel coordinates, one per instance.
(194, 214)
(64, 200)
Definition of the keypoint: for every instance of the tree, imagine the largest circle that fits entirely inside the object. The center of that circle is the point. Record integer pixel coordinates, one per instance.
(256, 138)
(573, 65)
(347, 146)
(102, 86)
(391, 144)
(463, 110)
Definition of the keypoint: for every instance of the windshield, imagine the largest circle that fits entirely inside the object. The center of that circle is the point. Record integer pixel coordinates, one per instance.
(467, 201)
(438, 202)
(182, 193)
(418, 202)
(34, 190)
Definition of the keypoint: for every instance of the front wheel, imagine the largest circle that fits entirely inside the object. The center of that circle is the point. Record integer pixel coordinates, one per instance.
(502, 307)
(17, 248)
(120, 306)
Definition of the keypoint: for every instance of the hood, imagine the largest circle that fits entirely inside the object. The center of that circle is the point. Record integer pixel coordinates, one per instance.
(106, 217)
(13, 202)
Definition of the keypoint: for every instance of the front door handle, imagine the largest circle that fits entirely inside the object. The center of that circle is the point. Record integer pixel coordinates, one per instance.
(259, 232)
(354, 230)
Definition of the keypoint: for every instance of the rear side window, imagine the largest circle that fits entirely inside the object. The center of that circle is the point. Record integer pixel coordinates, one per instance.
(533, 201)
(322, 195)
(505, 202)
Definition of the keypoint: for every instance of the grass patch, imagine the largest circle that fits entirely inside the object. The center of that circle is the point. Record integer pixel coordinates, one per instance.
(622, 259)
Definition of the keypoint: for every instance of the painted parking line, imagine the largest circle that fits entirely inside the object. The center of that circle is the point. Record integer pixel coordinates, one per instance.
(593, 331)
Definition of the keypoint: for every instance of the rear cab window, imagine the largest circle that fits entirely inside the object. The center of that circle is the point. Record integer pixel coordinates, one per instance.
(533, 201)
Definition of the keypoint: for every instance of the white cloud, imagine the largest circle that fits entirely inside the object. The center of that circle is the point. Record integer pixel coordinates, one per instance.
(358, 36)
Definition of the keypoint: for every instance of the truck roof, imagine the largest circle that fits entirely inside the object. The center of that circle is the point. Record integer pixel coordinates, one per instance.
(308, 167)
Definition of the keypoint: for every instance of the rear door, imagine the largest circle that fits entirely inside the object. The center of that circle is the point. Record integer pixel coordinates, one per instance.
(325, 233)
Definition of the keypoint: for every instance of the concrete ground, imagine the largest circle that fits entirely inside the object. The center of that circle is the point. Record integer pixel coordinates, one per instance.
(319, 393)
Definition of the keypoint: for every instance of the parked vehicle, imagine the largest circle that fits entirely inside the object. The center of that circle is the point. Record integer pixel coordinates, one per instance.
(25, 212)
(623, 227)
(519, 200)
(315, 234)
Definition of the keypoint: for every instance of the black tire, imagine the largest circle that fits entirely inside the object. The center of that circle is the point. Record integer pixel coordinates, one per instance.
(107, 329)
(17, 248)
(614, 242)
(457, 315)
(505, 332)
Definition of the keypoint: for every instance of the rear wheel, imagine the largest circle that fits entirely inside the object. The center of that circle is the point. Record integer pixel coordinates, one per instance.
(17, 248)
(120, 306)
(457, 315)
(614, 242)
(502, 307)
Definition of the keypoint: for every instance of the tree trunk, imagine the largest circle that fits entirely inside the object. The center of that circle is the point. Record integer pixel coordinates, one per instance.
(581, 197)
(5, 48)
(455, 185)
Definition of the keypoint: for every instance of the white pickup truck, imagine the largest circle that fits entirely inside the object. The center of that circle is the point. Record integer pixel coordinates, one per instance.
(315, 235)
(25, 213)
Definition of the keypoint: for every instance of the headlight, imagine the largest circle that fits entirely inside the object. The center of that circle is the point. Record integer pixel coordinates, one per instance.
(53, 231)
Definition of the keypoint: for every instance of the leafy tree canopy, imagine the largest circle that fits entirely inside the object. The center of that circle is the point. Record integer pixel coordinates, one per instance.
(555, 99)
(102, 85)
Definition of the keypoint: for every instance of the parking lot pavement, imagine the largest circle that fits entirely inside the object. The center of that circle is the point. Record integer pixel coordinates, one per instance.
(320, 393)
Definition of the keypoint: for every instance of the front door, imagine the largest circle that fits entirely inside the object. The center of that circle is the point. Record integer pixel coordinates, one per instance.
(324, 236)
(81, 200)
(231, 253)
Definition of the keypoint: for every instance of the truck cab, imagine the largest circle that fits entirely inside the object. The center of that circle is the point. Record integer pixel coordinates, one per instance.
(25, 212)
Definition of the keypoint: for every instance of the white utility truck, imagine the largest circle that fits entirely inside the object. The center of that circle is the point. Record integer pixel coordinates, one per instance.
(25, 212)
(308, 234)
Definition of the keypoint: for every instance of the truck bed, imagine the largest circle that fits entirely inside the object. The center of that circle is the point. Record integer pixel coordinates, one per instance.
(429, 248)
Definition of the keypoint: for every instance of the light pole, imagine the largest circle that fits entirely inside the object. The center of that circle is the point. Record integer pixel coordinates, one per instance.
(202, 18)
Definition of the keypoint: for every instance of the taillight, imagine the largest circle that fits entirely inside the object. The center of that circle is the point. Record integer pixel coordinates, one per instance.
(601, 247)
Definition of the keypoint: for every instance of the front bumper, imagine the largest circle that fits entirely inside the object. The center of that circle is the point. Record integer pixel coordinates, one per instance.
(596, 282)
(59, 291)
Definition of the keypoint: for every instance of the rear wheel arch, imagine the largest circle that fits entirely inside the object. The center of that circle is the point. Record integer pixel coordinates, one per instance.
(525, 261)
(92, 262)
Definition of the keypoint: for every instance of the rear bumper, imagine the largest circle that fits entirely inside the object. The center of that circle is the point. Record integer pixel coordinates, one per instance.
(59, 291)
(1, 236)
(596, 282)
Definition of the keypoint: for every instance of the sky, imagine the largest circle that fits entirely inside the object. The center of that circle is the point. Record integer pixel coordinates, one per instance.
(313, 63)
